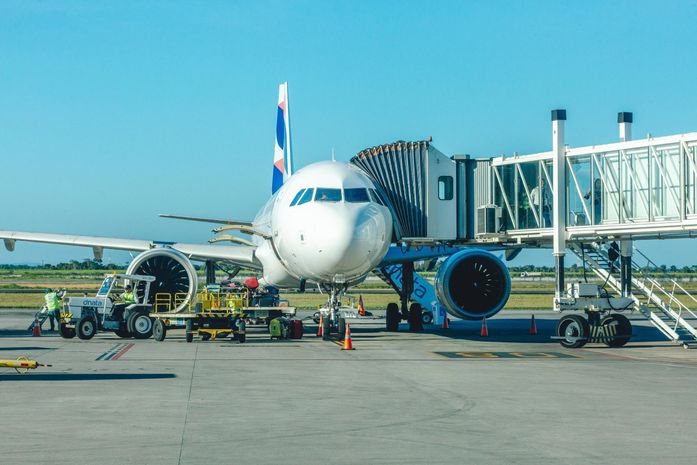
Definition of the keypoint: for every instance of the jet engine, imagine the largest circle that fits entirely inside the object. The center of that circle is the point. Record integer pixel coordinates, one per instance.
(473, 284)
(175, 275)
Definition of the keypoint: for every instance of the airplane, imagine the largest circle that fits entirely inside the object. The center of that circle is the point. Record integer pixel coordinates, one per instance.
(328, 224)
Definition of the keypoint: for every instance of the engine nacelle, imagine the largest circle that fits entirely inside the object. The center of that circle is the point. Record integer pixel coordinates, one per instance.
(473, 284)
(175, 275)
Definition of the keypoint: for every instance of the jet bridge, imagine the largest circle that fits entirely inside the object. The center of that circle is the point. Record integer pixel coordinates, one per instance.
(586, 199)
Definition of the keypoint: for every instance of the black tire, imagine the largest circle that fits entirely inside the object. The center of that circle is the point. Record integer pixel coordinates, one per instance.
(341, 328)
(326, 328)
(65, 332)
(122, 333)
(189, 331)
(205, 336)
(574, 331)
(315, 317)
(426, 318)
(618, 330)
(415, 323)
(392, 317)
(139, 325)
(86, 328)
(159, 330)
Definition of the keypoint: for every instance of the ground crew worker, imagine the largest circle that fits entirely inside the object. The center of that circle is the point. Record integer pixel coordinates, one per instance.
(53, 307)
(128, 297)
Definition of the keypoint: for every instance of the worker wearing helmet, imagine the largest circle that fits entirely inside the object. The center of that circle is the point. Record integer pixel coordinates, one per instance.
(53, 307)
(128, 296)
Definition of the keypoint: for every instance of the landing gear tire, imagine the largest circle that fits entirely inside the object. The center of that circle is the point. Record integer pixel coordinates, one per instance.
(392, 317)
(86, 328)
(140, 325)
(573, 331)
(341, 328)
(415, 316)
(326, 328)
(622, 330)
(427, 318)
(65, 332)
(189, 331)
(159, 330)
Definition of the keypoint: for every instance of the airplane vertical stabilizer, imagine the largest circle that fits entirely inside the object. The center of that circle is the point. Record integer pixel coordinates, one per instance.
(282, 160)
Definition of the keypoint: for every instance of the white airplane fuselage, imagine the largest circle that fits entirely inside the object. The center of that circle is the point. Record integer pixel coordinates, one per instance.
(327, 224)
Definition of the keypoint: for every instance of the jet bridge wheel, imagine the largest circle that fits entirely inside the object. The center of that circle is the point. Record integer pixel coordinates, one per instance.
(618, 330)
(573, 331)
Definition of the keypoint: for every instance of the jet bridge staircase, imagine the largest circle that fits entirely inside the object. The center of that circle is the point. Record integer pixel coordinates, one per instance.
(658, 301)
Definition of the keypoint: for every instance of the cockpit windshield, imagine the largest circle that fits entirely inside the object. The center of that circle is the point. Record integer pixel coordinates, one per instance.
(307, 196)
(356, 195)
(325, 194)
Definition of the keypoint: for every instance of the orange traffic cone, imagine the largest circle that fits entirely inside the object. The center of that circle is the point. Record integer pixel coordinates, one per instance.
(348, 345)
(533, 326)
(361, 310)
(36, 330)
(321, 323)
(485, 330)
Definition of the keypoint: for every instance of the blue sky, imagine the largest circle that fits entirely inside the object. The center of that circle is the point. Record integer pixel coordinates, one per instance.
(113, 112)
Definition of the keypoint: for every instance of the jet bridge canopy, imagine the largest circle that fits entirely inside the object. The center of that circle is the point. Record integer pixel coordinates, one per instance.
(427, 190)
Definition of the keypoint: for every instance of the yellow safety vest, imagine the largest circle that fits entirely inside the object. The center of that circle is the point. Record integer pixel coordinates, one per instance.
(128, 298)
(52, 301)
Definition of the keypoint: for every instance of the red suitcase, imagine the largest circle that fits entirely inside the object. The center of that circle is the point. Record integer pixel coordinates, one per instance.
(296, 329)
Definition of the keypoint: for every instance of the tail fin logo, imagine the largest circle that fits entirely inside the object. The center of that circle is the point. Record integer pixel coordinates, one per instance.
(282, 160)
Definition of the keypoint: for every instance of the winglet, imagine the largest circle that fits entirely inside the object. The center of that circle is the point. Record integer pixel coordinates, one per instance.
(282, 159)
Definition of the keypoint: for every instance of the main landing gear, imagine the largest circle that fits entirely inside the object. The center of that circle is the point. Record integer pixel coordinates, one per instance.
(575, 331)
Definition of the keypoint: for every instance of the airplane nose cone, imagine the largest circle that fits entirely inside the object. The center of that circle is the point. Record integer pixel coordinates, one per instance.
(348, 242)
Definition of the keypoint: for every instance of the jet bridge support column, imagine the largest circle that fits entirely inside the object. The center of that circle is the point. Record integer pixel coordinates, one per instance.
(210, 272)
(559, 204)
(624, 120)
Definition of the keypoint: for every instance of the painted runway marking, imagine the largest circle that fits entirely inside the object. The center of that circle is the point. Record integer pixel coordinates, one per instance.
(115, 352)
(506, 355)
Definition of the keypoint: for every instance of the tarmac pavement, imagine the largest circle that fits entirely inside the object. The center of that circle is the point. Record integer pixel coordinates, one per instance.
(436, 397)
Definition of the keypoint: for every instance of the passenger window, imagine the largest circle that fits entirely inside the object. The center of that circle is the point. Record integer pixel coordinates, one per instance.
(307, 196)
(377, 198)
(358, 195)
(297, 197)
(445, 187)
(328, 195)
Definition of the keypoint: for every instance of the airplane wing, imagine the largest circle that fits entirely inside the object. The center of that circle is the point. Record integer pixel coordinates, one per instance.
(239, 255)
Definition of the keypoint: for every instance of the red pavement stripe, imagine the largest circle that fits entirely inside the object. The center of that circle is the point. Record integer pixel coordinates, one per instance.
(122, 351)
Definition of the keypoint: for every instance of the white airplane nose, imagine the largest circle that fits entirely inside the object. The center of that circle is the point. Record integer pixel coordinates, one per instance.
(347, 242)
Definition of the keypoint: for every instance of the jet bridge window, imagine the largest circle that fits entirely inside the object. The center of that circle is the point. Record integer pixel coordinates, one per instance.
(445, 187)
(306, 197)
(357, 195)
(328, 195)
(297, 197)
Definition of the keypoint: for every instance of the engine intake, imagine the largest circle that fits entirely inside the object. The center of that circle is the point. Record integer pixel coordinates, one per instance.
(473, 284)
(175, 275)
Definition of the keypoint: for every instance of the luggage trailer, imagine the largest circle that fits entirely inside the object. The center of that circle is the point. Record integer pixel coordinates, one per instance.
(214, 316)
